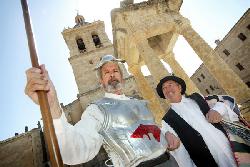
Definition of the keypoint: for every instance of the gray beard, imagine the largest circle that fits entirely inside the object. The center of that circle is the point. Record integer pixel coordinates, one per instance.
(113, 86)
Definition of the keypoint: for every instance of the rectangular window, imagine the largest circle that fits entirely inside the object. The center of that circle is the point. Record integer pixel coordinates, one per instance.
(211, 87)
(239, 66)
(199, 79)
(202, 76)
(248, 83)
(242, 36)
(226, 52)
(207, 91)
(248, 26)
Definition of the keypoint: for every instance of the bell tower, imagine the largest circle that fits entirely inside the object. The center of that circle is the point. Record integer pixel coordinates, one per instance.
(87, 43)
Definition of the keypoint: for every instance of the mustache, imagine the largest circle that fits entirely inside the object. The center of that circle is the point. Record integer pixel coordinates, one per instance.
(113, 82)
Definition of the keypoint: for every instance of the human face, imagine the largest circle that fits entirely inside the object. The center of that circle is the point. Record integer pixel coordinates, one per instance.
(172, 91)
(111, 78)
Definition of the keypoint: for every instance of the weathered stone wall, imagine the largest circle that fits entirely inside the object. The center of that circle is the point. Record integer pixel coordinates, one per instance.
(73, 111)
(207, 84)
(238, 51)
(24, 150)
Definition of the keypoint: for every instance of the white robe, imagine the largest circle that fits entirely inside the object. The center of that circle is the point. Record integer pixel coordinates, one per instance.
(216, 141)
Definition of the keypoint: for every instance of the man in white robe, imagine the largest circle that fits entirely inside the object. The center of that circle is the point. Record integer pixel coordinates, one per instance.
(202, 143)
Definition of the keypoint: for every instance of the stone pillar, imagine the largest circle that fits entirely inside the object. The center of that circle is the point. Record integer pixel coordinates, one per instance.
(226, 77)
(178, 71)
(147, 92)
(156, 68)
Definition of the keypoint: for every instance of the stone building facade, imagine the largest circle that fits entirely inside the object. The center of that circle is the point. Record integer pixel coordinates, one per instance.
(24, 150)
(234, 49)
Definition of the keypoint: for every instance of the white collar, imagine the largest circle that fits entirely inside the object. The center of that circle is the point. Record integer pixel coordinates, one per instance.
(115, 96)
(183, 100)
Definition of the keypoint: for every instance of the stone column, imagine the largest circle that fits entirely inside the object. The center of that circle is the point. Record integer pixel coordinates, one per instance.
(147, 92)
(226, 77)
(178, 71)
(156, 68)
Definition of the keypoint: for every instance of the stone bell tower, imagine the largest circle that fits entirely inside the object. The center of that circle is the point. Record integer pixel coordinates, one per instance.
(87, 42)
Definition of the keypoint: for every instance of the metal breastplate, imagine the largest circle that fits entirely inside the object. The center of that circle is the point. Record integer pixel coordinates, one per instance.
(129, 130)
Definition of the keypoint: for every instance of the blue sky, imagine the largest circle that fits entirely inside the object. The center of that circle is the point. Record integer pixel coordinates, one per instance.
(211, 19)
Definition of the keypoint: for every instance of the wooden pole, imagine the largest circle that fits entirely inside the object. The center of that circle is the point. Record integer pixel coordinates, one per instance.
(49, 131)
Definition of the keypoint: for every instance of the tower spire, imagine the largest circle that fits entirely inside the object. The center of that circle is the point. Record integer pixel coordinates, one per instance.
(79, 20)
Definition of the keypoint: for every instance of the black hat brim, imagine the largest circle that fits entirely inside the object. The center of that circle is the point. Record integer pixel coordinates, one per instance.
(170, 78)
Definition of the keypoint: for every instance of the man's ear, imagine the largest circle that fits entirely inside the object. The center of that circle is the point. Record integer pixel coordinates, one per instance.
(179, 86)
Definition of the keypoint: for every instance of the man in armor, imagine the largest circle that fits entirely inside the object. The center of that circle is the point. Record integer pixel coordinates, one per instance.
(124, 126)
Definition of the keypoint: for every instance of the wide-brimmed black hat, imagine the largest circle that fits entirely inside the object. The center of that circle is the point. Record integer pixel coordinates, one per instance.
(170, 78)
